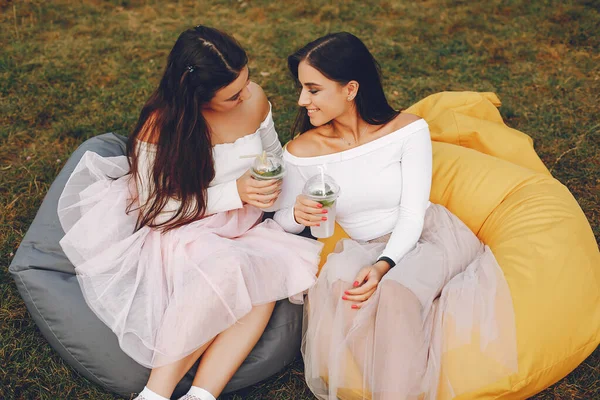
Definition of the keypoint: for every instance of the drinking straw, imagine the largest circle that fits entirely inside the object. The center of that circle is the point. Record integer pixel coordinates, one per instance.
(263, 157)
(251, 156)
(322, 169)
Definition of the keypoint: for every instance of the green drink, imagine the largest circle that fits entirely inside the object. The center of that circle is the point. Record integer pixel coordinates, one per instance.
(267, 166)
(324, 190)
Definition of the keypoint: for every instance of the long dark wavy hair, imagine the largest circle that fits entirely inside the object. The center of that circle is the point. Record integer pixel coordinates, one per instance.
(342, 57)
(202, 61)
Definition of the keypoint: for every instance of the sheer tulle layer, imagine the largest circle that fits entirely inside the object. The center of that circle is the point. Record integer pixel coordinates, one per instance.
(165, 295)
(441, 322)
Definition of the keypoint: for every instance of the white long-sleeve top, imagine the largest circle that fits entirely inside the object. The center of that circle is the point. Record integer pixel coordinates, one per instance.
(222, 194)
(385, 186)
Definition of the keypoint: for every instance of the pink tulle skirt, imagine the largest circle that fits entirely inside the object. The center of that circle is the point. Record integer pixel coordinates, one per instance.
(441, 322)
(166, 294)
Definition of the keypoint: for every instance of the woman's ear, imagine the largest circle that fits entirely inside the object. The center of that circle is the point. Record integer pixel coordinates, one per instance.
(351, 90)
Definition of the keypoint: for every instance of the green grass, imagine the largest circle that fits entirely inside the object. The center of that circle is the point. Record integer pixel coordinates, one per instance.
(69, 71)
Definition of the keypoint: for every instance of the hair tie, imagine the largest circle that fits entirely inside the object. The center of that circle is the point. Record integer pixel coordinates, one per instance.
(190, 68)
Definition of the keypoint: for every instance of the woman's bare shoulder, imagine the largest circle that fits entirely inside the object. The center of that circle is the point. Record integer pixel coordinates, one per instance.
(259, 101)
(404, 119)
(308, 144)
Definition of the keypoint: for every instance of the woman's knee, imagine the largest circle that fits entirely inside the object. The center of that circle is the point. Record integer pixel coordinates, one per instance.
(393, 295)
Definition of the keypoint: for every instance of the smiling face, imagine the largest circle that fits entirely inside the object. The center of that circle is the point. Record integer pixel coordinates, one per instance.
(232, 95)
(323, 98)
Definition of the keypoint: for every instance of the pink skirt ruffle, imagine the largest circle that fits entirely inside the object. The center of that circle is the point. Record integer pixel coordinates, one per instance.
(441, 322)
(166, 294)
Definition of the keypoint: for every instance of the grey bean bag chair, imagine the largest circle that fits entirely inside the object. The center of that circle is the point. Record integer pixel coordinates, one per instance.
(46, 280)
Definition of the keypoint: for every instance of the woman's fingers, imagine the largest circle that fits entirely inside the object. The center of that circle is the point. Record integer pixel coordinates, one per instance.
(363, 292)
(260, 204)
(362, 276)
(308, 212)
(369, 285)
(361, 299)
(248, 186)
(272, 186)
(311, 207)
(308, 219)
(256, 183)
(313, 217)
(306, 202)
(265, 198)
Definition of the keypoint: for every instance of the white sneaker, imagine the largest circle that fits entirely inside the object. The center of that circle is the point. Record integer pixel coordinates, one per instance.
(148, 394)
(196, 393)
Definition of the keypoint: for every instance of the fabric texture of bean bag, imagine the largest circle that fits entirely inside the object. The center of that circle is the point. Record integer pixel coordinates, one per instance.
(46, 280)
(489, 176)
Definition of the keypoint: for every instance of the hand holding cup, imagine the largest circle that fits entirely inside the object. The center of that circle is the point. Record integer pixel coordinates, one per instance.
(259, 193)
(309, 212)
(317, 205)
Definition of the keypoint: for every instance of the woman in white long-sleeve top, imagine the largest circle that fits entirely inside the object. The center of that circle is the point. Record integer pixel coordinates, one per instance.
(168, 243)
(414, 282)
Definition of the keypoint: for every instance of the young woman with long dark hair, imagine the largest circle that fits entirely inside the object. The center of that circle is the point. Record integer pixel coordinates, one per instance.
(413, 283)
(168, 243)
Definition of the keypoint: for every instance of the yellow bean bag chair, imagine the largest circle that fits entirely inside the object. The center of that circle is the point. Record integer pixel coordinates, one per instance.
(491, 178)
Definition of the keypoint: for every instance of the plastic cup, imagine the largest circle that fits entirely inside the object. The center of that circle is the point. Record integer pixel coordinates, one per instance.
(323, 189)
(267, 166)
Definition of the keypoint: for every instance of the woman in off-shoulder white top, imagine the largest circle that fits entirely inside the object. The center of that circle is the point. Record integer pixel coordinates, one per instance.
(231, 163)
(376, 197)
(167, 242)
(413, 282)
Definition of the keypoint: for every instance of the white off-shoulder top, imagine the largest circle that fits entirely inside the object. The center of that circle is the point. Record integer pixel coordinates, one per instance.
(222, 194)
(385, 186)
